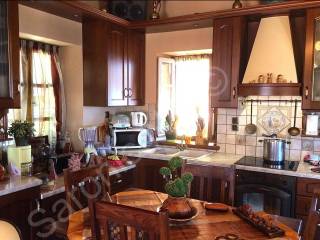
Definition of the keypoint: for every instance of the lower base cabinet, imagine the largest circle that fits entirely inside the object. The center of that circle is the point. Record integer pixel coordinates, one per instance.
(148, 176)
(17, 207)
(122, 181)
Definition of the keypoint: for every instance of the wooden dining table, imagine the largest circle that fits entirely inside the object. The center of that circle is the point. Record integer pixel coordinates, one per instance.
(206, 226)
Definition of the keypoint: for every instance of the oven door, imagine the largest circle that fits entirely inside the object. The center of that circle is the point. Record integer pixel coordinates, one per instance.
(265, 198)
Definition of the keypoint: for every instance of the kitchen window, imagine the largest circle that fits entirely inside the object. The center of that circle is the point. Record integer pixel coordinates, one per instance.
(183, 88)
(41, 89)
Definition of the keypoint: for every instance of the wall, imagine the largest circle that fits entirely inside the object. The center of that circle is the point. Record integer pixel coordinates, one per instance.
(41, 26)
(238, 142)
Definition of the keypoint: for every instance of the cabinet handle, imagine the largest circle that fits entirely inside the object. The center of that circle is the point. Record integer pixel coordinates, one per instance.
(125, 92)
(307, 92)
(234, 92)
(118, 181)
(130, 92)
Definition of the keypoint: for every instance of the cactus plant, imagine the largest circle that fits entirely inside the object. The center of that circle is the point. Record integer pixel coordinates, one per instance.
(176, 186)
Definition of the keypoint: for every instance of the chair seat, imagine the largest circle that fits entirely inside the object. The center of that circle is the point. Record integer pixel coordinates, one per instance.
(294, 223)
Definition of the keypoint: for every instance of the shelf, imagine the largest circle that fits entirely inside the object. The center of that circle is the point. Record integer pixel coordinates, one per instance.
(269, 89)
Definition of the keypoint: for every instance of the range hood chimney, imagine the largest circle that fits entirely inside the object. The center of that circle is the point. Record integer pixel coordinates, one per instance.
(272, 52)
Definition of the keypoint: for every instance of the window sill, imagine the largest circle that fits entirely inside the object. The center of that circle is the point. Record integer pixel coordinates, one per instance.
(210, 146)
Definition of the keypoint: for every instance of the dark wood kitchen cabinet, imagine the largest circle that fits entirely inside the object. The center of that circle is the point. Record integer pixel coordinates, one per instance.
(311, 77)
(227, 36)
(113, 65)
(18, 206)
(148, 175)
(9, 55)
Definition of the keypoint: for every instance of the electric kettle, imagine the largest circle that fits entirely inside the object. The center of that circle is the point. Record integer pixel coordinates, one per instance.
(138, 119)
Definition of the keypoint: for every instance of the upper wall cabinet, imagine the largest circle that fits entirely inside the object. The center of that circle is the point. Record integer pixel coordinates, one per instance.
(227, 36)
(311, 79)
(9, 55)
(113, 65)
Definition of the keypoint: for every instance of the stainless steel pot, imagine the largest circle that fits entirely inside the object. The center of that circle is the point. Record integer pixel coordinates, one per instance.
(274, 149)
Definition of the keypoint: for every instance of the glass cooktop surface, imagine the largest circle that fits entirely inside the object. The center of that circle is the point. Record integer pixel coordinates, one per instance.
(259, 162)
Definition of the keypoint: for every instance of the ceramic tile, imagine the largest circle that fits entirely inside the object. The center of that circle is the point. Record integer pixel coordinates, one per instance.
(222, 119)
(229, 130)
(231, 111)
(295, 144)
(307, 145)
(295, 155)
(222, 111)
(260, 141)
(259, 151)
(251, 141)
(304, 153)
(229, 119)
(221, 138)
(250, 151)
(222, 129)
(230, 148)
(240, 140)
(316, 145)
(241, 150)
(242, 120)
(231, 139)
(222, 147)
(254, 119)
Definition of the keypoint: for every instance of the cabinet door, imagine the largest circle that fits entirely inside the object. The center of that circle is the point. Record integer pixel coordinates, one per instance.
(95, 62)
(311, 80)
(9, 55)
(117, 66)
(136, 67)
(148, 175)
(225, 62)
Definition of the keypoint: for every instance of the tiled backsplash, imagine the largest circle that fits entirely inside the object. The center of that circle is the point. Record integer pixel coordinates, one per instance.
(238, 142)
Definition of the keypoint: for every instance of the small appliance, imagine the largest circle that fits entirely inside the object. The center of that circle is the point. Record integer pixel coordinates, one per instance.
(138, 119)
(120, 121)
(20, 157)
(129, 138)
(88, 136)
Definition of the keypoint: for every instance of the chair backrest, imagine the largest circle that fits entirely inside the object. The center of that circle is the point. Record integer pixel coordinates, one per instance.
(115, 221)
(86, 183)
(9, 231)
(312, 228)
(210, 183)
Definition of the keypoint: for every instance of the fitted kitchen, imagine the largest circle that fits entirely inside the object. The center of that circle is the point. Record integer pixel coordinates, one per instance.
(160, 119)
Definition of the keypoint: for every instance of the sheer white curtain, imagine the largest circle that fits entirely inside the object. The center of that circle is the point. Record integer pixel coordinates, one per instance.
(192, 92)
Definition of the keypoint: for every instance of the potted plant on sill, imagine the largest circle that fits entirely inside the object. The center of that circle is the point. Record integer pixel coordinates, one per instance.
(177, 204)
(21, 131)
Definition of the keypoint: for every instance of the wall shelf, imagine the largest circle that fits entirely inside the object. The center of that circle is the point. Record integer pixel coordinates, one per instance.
(269, 89)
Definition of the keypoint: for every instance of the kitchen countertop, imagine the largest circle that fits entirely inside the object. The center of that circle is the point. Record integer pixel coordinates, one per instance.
(18, 183)
(213, 158)
(57, 186)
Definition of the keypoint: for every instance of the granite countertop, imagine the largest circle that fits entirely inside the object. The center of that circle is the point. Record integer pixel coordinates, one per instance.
(57, 186)
(18, 183)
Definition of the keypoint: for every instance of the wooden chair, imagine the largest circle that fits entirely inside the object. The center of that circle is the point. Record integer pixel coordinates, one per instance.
(312, 228)
(114, 221)
(80, 186)
(85, 183)
(210, 183)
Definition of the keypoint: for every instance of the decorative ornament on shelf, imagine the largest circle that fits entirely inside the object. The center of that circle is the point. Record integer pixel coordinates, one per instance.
(200, 127)
(170, 125)
(75, 161)
(21, 131)
(237, 4)
(177, 188)
(156, 9)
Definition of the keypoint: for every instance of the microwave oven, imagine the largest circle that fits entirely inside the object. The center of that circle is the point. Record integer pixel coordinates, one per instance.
(129, 138)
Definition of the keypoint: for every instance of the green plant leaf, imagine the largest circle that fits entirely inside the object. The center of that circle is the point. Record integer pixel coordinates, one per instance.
(165, 171)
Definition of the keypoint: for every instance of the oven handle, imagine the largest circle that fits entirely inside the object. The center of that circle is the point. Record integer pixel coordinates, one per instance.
(258, 188)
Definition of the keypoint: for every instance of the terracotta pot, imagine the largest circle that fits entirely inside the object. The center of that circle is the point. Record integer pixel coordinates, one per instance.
(177, 207)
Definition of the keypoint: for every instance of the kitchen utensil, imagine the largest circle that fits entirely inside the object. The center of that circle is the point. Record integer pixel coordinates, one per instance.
(294, 131)
(274, 150)
(138, 119)
(120, 121)
(251, 128)
(88, 137)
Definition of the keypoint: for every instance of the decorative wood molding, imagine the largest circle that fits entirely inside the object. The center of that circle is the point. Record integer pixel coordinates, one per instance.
(269, 89)
(78, 11)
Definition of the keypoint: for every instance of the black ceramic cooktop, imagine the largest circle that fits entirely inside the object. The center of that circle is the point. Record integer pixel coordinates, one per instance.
(259, 162)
